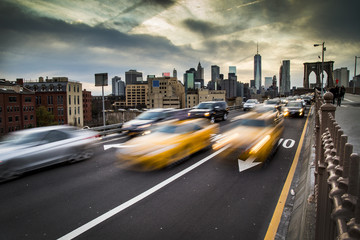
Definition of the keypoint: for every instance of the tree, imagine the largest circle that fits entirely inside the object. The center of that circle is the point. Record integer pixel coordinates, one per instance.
(44, 117)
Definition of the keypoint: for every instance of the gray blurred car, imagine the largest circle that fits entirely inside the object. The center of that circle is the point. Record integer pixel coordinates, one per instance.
(31, 149)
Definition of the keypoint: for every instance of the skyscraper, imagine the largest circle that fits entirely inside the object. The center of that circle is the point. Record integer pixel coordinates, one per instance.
(118, 86)
(232, 69)
(341, 76)
(257, 70)
(285, 78)
(132, 77)
(174, 73)
(200, 72)
(215, 72)
(189, 79)
(268, 82)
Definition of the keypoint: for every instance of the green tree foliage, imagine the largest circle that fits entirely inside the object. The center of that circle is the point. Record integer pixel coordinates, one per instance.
(44, 117)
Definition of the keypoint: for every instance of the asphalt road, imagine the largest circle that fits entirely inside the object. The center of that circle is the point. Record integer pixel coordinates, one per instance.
(212, 200)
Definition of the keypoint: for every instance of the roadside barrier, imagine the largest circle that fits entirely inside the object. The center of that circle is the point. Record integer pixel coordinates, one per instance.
(337, 182)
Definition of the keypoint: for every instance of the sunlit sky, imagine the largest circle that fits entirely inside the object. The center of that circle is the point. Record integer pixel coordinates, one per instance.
(76, 39)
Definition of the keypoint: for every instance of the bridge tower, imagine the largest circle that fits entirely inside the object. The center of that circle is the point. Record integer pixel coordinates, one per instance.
(316, 68)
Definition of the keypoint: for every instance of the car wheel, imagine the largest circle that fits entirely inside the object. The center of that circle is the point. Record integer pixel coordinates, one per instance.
(8, 175)
(212, 119)
(225, 116)
(82, 155)
(87, 153)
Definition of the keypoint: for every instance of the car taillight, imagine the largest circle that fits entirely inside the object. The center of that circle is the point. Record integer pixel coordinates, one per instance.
(95, 136)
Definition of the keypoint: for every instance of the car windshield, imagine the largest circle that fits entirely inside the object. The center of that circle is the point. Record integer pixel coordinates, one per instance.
(205, 106)
(251, 101)
(264, 108)
(23, 139)
(150, 115)
(252, 122)
(272, 102)
(177, 128)
(294, 104)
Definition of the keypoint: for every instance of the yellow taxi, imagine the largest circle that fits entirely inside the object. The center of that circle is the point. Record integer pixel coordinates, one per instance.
(167, 144)
(252, 137)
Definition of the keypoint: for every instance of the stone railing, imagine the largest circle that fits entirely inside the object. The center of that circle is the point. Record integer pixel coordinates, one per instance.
(337, 182)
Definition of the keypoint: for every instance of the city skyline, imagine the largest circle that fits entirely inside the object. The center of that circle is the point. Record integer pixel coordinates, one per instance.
(77, 40)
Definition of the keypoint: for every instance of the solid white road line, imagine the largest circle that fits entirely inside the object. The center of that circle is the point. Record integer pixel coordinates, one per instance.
(136, 199)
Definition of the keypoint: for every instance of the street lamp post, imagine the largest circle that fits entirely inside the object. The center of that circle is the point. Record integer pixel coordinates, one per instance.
(354, 74)
(322, 65)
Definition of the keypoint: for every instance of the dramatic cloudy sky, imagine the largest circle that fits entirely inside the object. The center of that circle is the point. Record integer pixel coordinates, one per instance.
(78, 38)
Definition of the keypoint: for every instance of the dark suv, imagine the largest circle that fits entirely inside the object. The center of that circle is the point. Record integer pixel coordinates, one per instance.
(212, 110)
(150, 118)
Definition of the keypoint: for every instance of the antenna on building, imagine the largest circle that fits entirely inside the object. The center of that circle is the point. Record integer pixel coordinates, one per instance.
(257, 48)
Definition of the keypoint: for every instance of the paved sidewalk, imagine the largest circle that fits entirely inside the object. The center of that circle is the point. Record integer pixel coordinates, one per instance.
(348, 118)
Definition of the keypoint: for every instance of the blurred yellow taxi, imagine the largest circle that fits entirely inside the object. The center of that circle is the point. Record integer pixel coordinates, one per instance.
(167, 144)
(252, 136)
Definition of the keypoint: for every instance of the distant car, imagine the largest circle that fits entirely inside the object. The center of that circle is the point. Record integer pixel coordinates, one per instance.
(250, 104)
(307, 99)
(273, 103)
(169, 143)
(252, 136)
(34, 148)
(294, 109)
(149, 119)
(212, 110)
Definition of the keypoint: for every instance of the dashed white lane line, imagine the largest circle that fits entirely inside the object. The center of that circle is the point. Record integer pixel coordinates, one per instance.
(348, 100)
(136, 199)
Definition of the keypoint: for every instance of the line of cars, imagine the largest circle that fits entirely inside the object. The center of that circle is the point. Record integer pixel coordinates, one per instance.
(165, 136)
(251, 136)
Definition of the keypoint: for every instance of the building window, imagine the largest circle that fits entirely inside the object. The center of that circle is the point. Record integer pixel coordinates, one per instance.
(31, 117)
(69, 99)
(16, 118)
(78, 120)
(60, 111)
(69, 88)
(78, 98)
(78, 88)
(69, 110)
(27, 99)
(50, 100)
(38, 100)
(60, 99)
(12, 99)
(74, 99)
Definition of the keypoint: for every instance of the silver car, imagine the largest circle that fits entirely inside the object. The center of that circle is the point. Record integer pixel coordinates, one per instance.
(30, 149)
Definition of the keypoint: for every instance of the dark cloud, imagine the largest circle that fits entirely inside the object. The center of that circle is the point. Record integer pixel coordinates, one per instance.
(150, 3)
(35, 45)
(206, 29)
(322, 19)
(22, 28)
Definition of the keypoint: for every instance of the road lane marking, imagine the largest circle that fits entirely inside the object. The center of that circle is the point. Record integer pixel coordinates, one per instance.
(275, 220)
(136, 199)
(348, 100)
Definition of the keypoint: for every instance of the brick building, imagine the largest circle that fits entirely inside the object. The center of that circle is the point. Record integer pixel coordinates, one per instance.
(17, 107)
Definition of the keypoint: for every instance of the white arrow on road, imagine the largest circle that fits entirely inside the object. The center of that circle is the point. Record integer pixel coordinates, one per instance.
(106, 147)
(248, 163)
